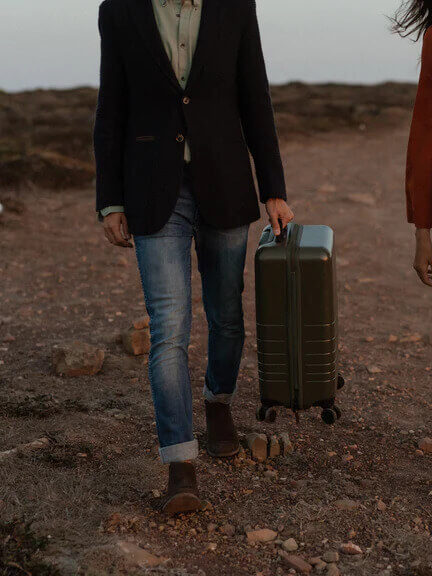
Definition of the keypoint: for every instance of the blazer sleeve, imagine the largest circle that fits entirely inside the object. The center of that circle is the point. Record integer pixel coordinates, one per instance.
(419, 160)
(109, 128)
(256, 111)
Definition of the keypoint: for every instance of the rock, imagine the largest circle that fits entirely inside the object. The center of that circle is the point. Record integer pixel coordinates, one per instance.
(287, 447)
(138, 556)
(142, 323)
(350, 549)
(257, 444)
(211, 527)
(24, 448)
(392, 339)
(320, 566)
(381, 506)
(362, 198)
(295, 562)
(315, 560)
(274, 447)
(332, 570)
(271, 474)
(374, 370)
(290, 545)
(346, 505)
(228, 529)
(212, 546)
(330, 556)
(264, 535)
(77, 359)
(136, 342)
(327, 189)
(425, 445)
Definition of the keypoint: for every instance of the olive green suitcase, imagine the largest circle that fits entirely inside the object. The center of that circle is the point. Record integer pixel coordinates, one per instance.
(297, 324)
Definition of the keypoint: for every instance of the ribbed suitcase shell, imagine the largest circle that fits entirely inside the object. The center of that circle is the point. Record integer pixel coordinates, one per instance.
(296, 309)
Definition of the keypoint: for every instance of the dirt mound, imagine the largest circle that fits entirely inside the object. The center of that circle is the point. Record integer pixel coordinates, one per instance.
(46, 135)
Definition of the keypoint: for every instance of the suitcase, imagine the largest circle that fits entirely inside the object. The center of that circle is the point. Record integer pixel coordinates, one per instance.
(297, 324)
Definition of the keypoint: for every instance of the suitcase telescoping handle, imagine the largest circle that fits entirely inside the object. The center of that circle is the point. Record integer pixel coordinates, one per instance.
(283, 233)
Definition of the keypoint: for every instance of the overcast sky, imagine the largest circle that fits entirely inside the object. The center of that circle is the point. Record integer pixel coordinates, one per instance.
(54, 43)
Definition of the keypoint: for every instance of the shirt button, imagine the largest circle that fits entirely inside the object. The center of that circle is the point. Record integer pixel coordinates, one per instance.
(186, 100)
(180, 138)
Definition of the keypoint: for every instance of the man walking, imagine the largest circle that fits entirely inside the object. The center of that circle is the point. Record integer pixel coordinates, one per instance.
(183, 95)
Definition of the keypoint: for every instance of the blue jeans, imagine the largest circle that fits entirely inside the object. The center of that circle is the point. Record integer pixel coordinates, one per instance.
(164, 261)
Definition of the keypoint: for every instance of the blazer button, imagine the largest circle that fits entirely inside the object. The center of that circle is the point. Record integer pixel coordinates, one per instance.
(180, 138)
(186, 100)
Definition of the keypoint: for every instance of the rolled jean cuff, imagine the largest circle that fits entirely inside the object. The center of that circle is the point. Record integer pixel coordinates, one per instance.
(222, 398)
(179, 452)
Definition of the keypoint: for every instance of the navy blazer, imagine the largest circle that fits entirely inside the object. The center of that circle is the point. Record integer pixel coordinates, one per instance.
(143, 117)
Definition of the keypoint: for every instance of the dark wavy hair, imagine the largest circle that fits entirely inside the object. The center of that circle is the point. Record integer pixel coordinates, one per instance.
(413, 18)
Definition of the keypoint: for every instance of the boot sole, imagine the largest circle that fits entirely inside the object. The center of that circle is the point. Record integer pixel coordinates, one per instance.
(184, 502)
(223, 454)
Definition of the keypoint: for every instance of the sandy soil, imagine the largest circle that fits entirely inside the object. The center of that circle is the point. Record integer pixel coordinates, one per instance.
(60, 281)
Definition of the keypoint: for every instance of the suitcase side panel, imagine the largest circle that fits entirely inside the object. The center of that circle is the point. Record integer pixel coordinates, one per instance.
(318, 316)
(271, 316)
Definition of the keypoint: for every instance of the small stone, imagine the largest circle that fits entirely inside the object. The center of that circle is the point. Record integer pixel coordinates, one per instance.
(362, 198)
(425, 445)
(264, 535)
(320, 566)
(257, 444)
(77, 359)
(327, 189)
(287, 447)
(274, 447)
(331, 454)
(212, 546)
(332, 570)
(136, 342)
(228, 529)
(211, 527)
(138, 556)
(295, 562)
(392, 339)
(271, 474)
(315, 560)
(381, 506)
(142, 323)
(374, 370)
(290, 545)
(350, 549)
(331, 556)
(346, 505)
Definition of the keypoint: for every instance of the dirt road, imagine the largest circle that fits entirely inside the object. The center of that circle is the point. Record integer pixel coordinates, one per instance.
(61, 281)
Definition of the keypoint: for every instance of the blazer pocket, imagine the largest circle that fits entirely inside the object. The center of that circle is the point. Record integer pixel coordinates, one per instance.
(149, 138)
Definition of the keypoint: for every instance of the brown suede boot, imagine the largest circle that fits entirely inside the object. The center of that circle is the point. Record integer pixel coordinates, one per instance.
(222, 439)
(183, 494)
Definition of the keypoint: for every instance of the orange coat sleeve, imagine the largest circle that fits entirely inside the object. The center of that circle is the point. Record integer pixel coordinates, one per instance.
(419, 160)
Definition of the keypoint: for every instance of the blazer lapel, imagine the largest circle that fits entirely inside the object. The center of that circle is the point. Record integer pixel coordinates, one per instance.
(143, 16)
(207, 37)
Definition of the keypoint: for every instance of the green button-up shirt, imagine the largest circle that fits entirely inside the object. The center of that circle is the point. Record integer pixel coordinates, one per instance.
(178, 22)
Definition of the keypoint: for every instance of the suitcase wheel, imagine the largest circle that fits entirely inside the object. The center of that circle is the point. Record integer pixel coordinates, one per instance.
(340, 381)
(265, 414)
(330, 415)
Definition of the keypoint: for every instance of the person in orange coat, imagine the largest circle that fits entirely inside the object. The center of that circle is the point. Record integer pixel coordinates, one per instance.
(415, 18)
